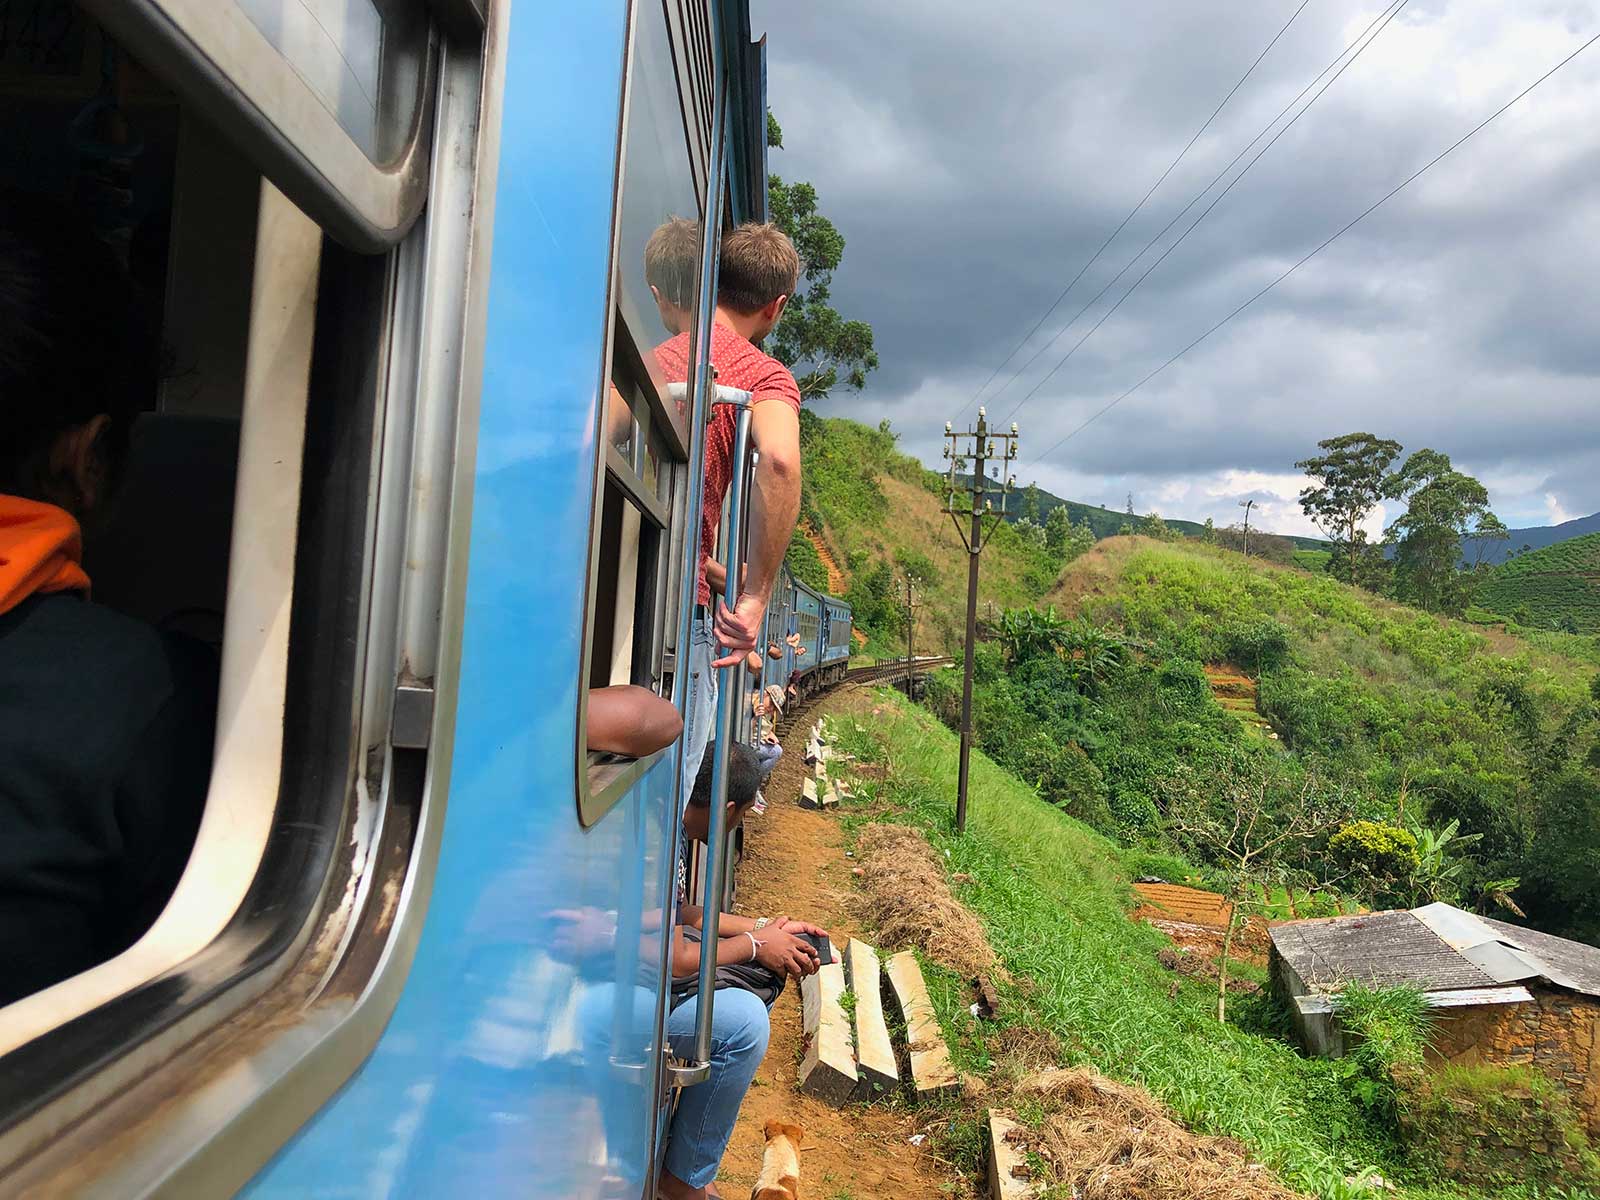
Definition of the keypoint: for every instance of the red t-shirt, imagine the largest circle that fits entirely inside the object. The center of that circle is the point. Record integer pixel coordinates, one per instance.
(738, 364)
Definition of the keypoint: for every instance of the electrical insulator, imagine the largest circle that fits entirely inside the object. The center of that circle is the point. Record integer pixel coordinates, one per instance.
(982, 412)
(948, 427)
(947, 451)
(1013, 429)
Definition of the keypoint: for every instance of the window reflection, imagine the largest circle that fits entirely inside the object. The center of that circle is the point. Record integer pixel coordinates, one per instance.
(659, 252)
(362, 58)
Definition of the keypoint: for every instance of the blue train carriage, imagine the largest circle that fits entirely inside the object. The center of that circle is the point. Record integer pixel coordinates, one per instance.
(421, 480)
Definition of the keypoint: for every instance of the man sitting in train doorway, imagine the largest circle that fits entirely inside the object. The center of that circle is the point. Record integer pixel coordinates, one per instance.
(759, 271)
(754, 959)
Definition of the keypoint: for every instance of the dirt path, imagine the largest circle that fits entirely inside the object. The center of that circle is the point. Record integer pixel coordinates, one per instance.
(795, 865)
(831, 564)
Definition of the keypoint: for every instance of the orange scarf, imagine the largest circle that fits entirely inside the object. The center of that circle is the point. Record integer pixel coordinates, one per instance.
(40, 548)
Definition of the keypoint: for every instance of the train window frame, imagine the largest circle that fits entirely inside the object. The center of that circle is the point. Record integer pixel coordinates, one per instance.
(602, 780)
(218, 60)
(333, 910)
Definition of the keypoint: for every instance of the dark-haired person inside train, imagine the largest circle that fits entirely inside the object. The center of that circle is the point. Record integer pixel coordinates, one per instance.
(105, 723)
(754, 958)
(759, 271)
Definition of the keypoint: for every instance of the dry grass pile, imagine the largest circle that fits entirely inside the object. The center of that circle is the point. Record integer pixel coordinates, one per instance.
(907, 899)
(1108, 1141)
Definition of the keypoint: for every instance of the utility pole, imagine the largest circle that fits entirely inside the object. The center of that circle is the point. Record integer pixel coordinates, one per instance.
(912, 604)
(975, 538)
(1246, 504)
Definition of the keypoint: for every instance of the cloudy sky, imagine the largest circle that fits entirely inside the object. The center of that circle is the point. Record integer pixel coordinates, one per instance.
(976, 158)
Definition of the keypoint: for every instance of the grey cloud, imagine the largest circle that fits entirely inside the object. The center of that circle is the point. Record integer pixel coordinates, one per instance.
(974, 164)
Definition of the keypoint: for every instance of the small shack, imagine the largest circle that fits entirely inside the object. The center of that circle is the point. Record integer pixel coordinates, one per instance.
(1502, 994)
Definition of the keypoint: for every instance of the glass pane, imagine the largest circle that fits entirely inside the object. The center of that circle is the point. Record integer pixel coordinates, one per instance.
(362, 59)
(660, 204)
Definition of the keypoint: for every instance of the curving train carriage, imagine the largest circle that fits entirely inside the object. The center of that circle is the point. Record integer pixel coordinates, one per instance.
(418, 479)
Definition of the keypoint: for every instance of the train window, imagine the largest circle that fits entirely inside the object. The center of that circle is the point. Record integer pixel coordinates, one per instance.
(329, 98)
(268, 520)
(641, 477)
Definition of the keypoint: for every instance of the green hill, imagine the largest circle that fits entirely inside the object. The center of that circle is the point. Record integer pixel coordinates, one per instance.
(879, 511)
(1108, 522)
(1554, 588)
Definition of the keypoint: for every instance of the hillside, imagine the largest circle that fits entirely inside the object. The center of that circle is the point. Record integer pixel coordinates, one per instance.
(1398, 715)
(879, 511)
(1536, 537)
(1108, 522)
(1557, 587)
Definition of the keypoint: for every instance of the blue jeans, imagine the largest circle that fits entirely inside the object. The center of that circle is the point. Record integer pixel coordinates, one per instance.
(707, 1111)
(700, 706)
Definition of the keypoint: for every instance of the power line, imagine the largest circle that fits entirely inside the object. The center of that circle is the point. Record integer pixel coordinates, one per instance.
(1104, 317)
(1428, 166)
(1136, 208)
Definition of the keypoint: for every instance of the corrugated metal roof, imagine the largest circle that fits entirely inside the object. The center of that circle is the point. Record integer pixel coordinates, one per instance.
(1382, 949)
(1436, 947)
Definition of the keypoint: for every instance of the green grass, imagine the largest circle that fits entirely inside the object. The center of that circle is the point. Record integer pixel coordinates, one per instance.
(1053, 896)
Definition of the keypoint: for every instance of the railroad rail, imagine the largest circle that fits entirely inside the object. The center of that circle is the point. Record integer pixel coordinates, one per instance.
(878, 672)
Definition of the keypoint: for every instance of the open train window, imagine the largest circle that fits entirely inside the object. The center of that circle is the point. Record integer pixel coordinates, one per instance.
(267, 518)
(639, 534)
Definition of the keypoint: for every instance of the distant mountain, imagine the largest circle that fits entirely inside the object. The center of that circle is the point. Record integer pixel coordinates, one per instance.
(1557, 587)
(1535, 538)
(1106, 521)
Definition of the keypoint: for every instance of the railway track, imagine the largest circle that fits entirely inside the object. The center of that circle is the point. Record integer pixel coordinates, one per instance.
(877, 673)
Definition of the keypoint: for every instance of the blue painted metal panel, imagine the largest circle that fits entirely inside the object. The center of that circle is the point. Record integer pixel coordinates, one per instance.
(515, 1062)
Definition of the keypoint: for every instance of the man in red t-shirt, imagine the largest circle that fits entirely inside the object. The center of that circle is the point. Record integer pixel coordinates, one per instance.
(760, 269)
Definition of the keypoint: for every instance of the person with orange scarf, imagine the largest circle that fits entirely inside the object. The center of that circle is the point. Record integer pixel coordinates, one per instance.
(105, 723)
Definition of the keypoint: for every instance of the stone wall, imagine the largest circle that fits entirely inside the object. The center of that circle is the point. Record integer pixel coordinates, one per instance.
(1558, 1035)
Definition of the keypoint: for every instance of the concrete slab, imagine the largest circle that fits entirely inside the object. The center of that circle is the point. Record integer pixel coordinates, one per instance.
(931, 1072)
(828, 1066)
(875, 1061)
(808, 794)
(1006, 1160)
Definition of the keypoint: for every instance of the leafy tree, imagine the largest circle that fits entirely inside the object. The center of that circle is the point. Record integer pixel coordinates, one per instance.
(1208, 533)
(1351, 472)
(1258, 824)
(1064, 539)
(1443, 507)
(820, 346)
(1030, 504)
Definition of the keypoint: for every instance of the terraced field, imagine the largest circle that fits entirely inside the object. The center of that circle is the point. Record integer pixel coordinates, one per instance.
(1236, 692)
(1554, 588)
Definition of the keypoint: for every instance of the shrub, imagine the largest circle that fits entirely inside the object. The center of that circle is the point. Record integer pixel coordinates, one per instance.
(1380, 856)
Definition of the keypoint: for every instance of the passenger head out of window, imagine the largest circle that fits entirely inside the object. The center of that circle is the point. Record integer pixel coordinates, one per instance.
(671, 267)
(630, 720)
(105, 723)
(744, 780)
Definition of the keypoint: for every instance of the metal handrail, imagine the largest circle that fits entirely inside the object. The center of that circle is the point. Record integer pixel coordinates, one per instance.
(699, 1070)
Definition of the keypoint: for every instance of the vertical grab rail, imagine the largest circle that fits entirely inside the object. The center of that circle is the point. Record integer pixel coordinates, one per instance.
(730, 690)
(700, 414)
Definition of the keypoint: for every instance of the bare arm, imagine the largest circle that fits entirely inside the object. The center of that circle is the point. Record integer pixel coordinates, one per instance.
(774, 505)
(631, 720)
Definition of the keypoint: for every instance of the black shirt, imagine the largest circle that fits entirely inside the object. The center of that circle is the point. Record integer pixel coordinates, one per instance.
(106, 730)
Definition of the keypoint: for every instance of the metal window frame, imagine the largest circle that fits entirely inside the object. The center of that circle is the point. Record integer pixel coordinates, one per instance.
(601, 782)
(221, 65)
(201, 1107)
